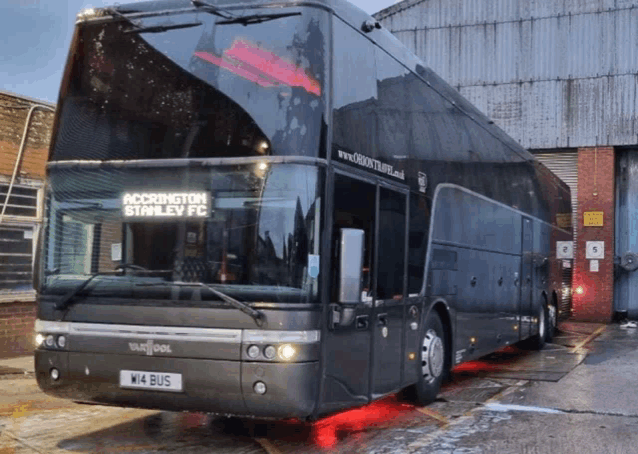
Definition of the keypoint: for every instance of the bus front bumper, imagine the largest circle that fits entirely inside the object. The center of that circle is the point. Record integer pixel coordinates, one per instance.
(214, 386)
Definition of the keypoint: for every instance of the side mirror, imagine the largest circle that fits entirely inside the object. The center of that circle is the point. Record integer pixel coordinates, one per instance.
(351, 243)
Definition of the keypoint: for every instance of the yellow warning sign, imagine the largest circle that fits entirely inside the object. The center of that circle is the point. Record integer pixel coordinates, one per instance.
(593, 218)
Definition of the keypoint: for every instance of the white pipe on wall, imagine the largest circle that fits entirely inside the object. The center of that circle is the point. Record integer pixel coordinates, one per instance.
(20, 152)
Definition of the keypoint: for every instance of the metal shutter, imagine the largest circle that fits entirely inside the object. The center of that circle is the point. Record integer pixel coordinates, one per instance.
(565, 166)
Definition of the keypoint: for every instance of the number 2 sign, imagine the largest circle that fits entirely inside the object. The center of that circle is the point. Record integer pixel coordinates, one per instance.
(564, 250)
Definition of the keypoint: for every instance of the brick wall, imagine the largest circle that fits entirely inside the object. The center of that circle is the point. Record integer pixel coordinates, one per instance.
(13, 115)
(17, 311)
(594, 291)
(16, 328)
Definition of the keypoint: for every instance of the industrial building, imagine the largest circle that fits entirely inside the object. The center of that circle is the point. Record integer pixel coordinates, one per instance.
(561, 78)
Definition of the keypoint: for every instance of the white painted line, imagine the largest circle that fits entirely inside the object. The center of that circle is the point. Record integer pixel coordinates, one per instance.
(505, 407)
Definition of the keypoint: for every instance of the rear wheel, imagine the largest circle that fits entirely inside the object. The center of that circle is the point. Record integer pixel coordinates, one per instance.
(537, 342)
(432, 362)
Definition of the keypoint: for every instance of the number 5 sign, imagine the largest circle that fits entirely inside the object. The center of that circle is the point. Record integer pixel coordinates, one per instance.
(595, 250)
(564, 250)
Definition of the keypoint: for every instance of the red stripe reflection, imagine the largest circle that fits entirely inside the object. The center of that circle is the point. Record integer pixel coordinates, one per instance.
(325, 433)
(261, 67)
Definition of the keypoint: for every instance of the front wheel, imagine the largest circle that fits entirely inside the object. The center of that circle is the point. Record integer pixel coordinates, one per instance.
(433, 364)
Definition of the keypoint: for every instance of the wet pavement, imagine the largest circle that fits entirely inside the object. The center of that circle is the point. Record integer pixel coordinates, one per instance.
(577, 395)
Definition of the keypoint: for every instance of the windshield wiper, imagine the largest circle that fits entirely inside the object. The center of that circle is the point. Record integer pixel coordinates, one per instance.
(212, 9)
(161, 28)
(255, 18)
(65, 301)
(136, 24)
(256, 315)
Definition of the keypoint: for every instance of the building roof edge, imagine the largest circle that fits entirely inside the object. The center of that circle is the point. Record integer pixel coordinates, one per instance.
(397, 7)
(27, 98)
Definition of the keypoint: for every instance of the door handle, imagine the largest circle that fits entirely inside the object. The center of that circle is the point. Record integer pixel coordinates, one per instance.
(362, 322)
(382, 320)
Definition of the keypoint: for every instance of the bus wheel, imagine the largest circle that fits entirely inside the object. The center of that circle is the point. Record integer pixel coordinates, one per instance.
(537, 342)
(433, 363)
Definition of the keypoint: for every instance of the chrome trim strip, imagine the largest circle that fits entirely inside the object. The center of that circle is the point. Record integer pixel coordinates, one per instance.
(45, 326)
(175, 333)
(189, 162)
(297, 337)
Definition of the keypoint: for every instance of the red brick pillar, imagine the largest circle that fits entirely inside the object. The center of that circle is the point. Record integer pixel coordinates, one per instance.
(16, 329)
(593, 297)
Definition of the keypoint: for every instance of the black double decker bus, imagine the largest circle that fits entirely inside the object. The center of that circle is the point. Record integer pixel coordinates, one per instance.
(273, 208)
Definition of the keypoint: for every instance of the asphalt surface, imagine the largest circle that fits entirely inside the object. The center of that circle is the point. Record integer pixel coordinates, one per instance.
(576, 396)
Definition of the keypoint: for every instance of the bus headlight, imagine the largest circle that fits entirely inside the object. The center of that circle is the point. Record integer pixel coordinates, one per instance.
(39, 339)
(50, 340)
(286, 352)
(61, 341)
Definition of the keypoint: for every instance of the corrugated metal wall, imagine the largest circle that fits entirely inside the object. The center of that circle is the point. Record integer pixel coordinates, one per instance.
(552, 74)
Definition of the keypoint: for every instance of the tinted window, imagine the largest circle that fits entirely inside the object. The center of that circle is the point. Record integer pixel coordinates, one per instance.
(391, 244)
(209, 90)
(418, 239)
(355, 91)
(393, 124)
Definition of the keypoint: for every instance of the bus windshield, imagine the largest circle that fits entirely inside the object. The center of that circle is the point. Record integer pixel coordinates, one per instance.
(193, 85)
(249, 231)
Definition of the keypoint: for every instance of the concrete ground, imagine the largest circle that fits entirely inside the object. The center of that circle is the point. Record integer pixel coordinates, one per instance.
(19, 365)
(576, 396)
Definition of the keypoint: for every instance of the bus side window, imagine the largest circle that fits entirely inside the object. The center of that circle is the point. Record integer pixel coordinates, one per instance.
(354, 208)
(391, 244)
(355, 91)
(418, 238)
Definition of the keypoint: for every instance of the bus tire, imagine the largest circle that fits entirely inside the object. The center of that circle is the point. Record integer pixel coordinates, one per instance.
(537, 342)
(432, 360)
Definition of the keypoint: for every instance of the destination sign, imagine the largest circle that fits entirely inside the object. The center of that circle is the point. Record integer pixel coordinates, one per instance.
(166, 204)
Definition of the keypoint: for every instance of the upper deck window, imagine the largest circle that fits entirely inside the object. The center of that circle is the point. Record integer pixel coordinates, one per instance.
(211, 89)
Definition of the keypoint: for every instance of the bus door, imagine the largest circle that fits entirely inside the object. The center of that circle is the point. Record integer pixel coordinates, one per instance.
(348, 344)
(526, 281)
(364, 347)
(389, 291)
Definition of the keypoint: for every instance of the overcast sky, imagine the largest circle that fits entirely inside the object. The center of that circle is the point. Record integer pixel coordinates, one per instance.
(35, 37)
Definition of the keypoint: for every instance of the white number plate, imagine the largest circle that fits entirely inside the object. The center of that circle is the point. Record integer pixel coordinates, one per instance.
(159, 381)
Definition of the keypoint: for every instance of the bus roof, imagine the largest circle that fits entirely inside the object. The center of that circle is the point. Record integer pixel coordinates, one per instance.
(342, 8)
